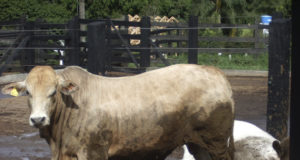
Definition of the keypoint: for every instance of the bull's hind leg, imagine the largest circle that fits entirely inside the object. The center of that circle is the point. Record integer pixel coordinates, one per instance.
(212, 150)
(198, 152)
(218, 146)
(214, 134)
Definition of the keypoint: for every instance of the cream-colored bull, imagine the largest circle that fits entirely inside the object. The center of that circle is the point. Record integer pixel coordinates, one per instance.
(84, 116)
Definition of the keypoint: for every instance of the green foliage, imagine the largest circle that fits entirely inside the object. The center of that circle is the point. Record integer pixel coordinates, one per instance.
(260, 7)
(11, 9)
(34, 9)
(103, 8)
(237, 61)
(209, 11)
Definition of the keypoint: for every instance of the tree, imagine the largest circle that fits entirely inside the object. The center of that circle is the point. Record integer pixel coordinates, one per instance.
(33, 9)
(225, 11)
(259, 7)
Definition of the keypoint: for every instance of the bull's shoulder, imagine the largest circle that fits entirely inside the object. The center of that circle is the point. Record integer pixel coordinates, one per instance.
(74, 69)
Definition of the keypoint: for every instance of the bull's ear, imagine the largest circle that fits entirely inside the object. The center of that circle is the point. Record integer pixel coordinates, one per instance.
(68, 87)
(14, 89)
(277, 147)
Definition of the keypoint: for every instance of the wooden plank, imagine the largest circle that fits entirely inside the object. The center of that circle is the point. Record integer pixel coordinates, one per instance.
(8, 36)
(83, 44)
(48, 37)
(123, 59)
(115, 22)
(50, 26)
(126, 36)
(83, 33)
(4, 32)
(87, 21)
(169, 37)
(166, 38)
(158, 31)
(232, 39)
(213, 50)
(133, 49)
(170, 25)
(201, 50)
(204, 26)
(246, 26)
(47, 45)
(126, 23)
(262, 26)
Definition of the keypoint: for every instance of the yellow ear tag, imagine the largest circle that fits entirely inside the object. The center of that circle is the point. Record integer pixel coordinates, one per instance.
(14, 92)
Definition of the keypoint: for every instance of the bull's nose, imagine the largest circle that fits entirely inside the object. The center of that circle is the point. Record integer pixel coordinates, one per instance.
(38, 120)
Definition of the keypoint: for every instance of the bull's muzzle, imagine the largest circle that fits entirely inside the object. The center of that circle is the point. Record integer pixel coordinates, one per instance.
(38, 121)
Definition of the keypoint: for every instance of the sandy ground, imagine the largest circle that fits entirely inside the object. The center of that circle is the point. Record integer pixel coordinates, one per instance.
(18, 141)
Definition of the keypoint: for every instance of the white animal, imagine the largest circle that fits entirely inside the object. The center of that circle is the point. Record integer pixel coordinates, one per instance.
(143, 117)
(251, 143)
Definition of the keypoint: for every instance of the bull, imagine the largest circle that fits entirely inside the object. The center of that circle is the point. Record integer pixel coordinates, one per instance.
(85, 116)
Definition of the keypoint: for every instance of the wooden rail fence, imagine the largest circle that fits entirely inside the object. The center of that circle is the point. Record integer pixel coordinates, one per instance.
(107, 48)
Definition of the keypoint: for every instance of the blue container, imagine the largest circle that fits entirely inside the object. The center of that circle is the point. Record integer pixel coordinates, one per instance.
(266, 19)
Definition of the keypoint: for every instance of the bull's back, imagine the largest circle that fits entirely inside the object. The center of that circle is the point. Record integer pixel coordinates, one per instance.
(173, 83)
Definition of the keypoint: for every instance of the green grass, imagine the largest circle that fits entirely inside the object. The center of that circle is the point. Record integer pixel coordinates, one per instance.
(237, 61)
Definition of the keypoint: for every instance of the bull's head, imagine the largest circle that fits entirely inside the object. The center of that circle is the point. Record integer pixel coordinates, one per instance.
(43, 86)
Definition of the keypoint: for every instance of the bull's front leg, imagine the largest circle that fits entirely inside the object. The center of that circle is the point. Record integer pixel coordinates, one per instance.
(95, 153)
(97, 146)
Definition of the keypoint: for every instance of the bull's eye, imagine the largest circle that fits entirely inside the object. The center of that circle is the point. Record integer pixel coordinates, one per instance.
(28, 94)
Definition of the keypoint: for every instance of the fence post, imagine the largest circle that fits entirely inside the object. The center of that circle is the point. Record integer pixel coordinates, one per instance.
(179, 43)
(97, 48)
(73, 55)
(193, 40)
(145, 42)
(28, 56)
(295, 96)
(256, 34)
(278, 80)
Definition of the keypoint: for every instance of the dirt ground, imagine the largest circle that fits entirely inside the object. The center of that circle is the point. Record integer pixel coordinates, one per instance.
(250, 95)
